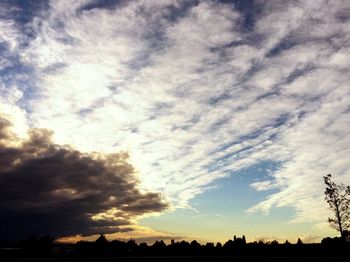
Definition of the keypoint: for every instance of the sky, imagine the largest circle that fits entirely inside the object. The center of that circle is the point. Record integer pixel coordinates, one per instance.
(172, 119)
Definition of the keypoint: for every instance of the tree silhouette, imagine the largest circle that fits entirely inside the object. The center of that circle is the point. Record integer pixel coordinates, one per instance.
(101, 240)
(299, 242)
(338, 199)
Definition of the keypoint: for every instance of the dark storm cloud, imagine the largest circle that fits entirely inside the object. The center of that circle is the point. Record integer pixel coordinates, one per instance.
(51, 189)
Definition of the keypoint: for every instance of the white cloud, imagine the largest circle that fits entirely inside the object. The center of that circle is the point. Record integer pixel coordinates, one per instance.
(175, 93)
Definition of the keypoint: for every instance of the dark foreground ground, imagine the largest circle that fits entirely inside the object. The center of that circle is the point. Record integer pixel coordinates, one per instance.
(183, 258)
(44, 249)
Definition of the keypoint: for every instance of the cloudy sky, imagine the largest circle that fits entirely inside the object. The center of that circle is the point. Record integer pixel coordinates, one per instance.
(172, 118)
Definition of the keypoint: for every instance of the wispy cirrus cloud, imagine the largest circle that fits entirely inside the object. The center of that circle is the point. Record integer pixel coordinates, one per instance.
(193, 94)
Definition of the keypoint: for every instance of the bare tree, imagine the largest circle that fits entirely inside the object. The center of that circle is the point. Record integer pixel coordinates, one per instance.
(338, 199)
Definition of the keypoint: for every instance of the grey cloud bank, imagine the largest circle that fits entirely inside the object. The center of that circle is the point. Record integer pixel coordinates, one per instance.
(194, 92)
(56, 190)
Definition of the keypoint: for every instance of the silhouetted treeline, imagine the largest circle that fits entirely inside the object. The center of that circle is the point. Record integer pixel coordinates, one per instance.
(46, 247)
